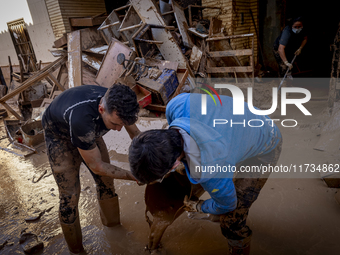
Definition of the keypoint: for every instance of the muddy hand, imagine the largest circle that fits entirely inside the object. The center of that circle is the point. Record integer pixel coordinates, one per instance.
(192, 206)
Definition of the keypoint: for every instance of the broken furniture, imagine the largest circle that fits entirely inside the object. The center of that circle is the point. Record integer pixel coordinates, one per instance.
(136, 68)
(143, 95)
(12, 128)
(169, 49)
(130, 24)
(145, 45)
(110, 70)
(182, 24)
(109, 28)
(42, 74)
(231, 53)
(162, 88)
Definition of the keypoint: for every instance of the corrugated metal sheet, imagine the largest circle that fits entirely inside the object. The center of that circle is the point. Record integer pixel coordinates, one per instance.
(55, 18)
(80, 8)
(61, 10)
(236, 19)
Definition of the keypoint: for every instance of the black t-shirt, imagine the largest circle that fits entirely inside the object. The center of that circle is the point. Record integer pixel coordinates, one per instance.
(291, 40)
(74, 115)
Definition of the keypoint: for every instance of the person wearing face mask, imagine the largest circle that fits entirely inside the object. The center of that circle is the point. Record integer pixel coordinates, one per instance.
(289, 43)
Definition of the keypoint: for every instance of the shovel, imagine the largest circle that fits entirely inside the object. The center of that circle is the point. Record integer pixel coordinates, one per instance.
(284, 77)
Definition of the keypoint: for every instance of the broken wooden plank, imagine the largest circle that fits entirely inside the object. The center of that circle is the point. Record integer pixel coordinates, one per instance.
(230, 53)
(182, 24)
(130, 28)
(56, 82)
(230, 69)
(87, 21)
(74, 59)
(8, 108)
(61, 42)
(109, 25)
(91, 61)
(110, 70)
(98, 49)
(229, 37)
(90, 37)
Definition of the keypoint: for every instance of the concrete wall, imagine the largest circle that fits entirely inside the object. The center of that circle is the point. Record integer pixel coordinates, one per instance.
(40, 32)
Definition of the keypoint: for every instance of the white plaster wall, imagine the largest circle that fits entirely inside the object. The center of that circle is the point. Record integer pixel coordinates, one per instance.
(7, 49)
(41, 32)
(41, 35)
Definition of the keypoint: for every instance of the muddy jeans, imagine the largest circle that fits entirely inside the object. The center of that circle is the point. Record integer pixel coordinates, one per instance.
(282, 67)
(248, 187)
(65, 161)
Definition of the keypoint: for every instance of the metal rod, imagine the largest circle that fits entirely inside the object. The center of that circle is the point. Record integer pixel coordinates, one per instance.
(284, 77)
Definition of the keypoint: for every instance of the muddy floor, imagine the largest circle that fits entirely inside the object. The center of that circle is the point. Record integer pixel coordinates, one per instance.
(291, 216)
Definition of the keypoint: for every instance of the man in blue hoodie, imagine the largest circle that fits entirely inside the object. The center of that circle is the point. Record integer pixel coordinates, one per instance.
(215, 156)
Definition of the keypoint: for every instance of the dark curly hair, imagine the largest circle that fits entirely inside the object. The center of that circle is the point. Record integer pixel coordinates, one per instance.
(153, 153)
(123, 101)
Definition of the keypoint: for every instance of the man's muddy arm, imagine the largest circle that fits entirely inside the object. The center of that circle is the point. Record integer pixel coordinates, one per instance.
(93, 160)
(132, 130)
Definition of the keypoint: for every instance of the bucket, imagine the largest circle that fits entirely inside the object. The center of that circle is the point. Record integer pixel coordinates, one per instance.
(32, 133)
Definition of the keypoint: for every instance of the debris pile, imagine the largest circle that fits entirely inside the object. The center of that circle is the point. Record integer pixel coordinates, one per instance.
(156, 50)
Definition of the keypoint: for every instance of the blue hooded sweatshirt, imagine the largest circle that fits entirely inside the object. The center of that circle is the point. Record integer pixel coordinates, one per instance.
(223, 145)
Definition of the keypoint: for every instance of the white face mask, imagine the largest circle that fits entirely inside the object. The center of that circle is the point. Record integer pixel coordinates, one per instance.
(296, 30)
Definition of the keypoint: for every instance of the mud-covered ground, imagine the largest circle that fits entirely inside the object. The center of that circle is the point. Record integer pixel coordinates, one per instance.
(291, 216)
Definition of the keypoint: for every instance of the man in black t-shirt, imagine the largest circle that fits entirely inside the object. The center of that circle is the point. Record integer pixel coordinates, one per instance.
(74, 124)
(289, 43)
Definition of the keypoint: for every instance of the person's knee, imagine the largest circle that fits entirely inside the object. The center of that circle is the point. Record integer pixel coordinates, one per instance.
(68, 208)
(105, 190)
(236, 232)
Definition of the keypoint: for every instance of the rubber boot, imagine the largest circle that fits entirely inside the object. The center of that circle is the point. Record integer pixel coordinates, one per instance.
(109, 211)
(234, 250)
(73, 236)
(239, 247)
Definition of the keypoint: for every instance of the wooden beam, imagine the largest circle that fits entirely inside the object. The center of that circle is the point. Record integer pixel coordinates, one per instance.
(87, 22)
(35, 78)
(110, 25)
(230, 53)
(56, 82)
(131, 27)
(12, 111)
(75, 77)
(230, 69)
(229, 37)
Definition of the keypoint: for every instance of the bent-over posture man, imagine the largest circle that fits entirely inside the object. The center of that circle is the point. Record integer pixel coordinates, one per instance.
(193, 139)
(74, 124)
